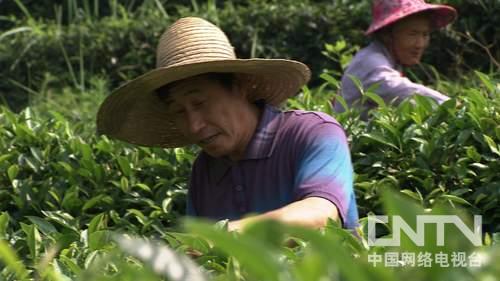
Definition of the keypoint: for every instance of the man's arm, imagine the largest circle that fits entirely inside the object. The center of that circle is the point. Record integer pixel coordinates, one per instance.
(309, 212)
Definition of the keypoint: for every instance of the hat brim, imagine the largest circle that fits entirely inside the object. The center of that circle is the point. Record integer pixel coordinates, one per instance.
(135, 114)
(443, 15)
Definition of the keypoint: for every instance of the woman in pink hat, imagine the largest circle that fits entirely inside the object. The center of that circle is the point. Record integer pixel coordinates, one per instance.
(400, 30)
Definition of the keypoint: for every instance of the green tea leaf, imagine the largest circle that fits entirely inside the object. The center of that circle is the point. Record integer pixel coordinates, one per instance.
(330, 249)
(96, 200)
(376, 98)
(9, 257)
(12, 172)
(63, 219)
(492, 145)
(256, 257)
(4, 223)
(473, 154)
(99, 239)
(99, 222)
(124, 165)
(412, 194)
(71, 199)
(46, 227)
(311, 267)
(33, 239)
(5, 157)
(71, 264)
(455, 199)
(486, 81)
(124, 184)
(377, 138)
(143, 187)
(163, 260)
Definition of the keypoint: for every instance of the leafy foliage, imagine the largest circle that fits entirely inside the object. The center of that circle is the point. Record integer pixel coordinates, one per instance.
(432, 153)
(49, 45)
(56, 172)
(265, 251)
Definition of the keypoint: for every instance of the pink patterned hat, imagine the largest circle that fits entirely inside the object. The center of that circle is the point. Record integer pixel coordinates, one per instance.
(386, 12)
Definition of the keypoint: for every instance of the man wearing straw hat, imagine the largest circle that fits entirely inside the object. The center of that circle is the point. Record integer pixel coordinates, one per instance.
(257, 162)
(401, 31)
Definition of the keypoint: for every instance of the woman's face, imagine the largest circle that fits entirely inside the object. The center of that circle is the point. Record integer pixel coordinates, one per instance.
(409, 38)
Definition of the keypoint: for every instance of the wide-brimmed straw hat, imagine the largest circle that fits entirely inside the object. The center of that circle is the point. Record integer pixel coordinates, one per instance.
(387, 12)
(191, 46)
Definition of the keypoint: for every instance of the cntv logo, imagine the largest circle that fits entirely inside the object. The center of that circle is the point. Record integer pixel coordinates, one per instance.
(398, 224)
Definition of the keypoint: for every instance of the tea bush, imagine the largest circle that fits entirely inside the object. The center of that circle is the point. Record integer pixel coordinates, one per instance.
(432, 154)
(57, 168)
(57, 43)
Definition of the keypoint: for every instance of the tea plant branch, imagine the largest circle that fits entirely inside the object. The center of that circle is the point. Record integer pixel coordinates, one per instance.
(483, 46)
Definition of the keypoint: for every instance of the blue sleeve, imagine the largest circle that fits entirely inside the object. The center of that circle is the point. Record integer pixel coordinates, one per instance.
(325, 170)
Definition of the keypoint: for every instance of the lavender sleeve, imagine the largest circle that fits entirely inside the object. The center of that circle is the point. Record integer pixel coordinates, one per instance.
(393, 86)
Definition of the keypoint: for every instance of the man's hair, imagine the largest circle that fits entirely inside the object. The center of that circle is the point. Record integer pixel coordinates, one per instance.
(226, 80)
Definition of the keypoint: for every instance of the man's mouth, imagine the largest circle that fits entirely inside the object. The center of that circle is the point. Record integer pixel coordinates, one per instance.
(208, 140)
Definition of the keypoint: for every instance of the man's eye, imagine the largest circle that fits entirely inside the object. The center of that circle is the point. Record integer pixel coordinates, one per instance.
(198, 103)
(177, 110)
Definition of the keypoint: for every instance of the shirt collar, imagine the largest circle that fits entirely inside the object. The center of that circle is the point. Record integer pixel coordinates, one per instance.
(263, 141)
(388, 55)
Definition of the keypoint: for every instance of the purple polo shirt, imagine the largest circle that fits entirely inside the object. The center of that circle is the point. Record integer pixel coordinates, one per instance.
(292, 155)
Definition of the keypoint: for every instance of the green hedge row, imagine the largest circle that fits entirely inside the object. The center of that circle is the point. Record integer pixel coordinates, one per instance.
(46, 46)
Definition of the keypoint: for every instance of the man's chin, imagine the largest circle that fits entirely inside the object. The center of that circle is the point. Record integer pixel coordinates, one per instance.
(214, 153)
(213, 150)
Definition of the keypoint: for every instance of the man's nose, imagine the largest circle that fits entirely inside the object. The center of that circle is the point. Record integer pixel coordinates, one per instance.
(195, 121)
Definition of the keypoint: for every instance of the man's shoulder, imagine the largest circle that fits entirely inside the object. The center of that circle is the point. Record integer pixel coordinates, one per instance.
(305, 117)
(308, 123)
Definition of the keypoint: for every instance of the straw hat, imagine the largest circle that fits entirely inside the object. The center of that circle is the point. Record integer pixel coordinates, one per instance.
(189, 47)
(387, 12)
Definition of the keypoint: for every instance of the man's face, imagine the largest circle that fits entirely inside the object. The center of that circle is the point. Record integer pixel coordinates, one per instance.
(219, 120)
(410, 38)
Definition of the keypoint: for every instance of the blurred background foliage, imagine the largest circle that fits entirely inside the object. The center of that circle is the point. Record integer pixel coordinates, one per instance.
(52, 43)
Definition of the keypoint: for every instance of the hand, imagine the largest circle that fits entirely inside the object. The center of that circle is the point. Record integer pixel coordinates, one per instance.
(229, 225)
(222, 224)
(234, 226)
